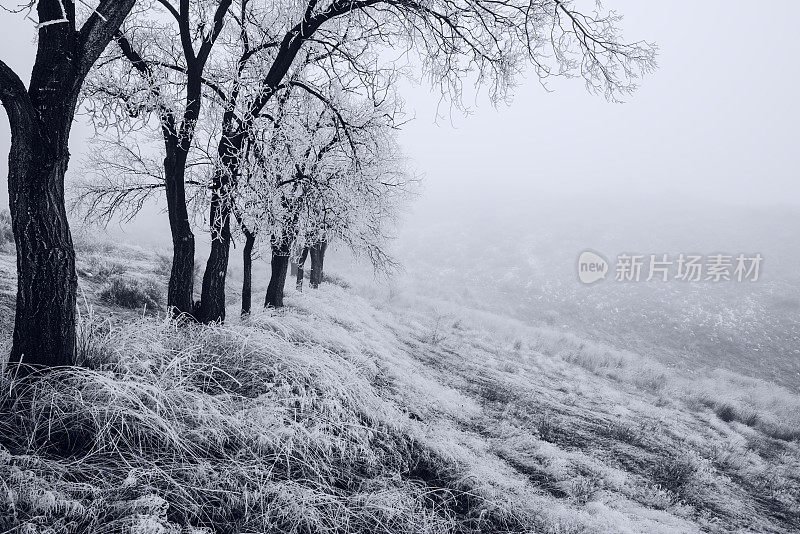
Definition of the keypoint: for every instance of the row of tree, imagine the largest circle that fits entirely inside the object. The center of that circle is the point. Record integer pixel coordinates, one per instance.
(275, 116)
(323, 165)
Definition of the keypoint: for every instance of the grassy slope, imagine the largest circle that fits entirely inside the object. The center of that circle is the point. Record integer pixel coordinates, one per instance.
(358, 410)
(523, 264)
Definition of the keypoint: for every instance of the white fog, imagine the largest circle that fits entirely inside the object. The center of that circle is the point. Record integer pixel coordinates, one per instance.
(479, 385)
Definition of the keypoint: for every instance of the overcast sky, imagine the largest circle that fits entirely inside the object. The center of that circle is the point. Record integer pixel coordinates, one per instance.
(717, 121)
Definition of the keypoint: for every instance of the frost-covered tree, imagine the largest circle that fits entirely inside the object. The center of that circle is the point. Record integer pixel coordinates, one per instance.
(488, 41)
(154, 78)
(272, 47)
(327, 169)
(69, 42)
(163, 76)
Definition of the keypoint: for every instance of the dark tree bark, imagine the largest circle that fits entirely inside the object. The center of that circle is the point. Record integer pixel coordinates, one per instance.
(44, 327)
(180, 291)
(301, 269)
(317, 262)
(314, 278)
(212, 299)
(280, 264)
(177, 142)
(247, 283)
(178, 134)
(41, 118)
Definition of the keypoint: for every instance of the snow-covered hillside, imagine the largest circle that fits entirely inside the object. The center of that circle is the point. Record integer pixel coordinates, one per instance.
(366, 409)
(522, 263)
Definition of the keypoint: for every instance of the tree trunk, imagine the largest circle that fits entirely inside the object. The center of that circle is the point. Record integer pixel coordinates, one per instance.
(280, 264)
(247, 283)
(41, 118)
(301, 269)
(323, 247)
(314, 266)
(212, 301)
(212, 298)
(44, 327)
(317, 262)
(180, 292)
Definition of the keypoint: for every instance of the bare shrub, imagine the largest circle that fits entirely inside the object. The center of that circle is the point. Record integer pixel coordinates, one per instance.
(436, 334)
(132, 293)
(336, 280)
(583, 489)
(674, 472)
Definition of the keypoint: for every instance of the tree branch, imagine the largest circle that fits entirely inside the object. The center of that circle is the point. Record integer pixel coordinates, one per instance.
(15, 99)
(98, 31)
(291, 44)
(208, 83)
(208, 42)
(185, 31)
(340, 118)
(136, 60)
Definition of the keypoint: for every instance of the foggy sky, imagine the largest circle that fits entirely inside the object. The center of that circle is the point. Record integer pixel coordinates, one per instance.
(716, 122)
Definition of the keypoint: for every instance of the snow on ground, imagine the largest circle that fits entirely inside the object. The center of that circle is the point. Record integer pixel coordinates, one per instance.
(365, 409)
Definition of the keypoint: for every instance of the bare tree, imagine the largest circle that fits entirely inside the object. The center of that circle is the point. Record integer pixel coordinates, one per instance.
(274, 48)
(357, 199)
(320, 170)
(41, 117)
(158, 69)
(488, 40)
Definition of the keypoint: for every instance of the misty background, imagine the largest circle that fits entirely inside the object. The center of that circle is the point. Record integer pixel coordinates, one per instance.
(702, 159)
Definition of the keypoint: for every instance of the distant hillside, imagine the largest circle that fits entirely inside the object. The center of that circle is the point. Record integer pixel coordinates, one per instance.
(369, 410)
(522, 263)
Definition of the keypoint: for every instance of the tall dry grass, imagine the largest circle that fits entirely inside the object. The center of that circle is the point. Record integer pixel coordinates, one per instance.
(221, 429)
